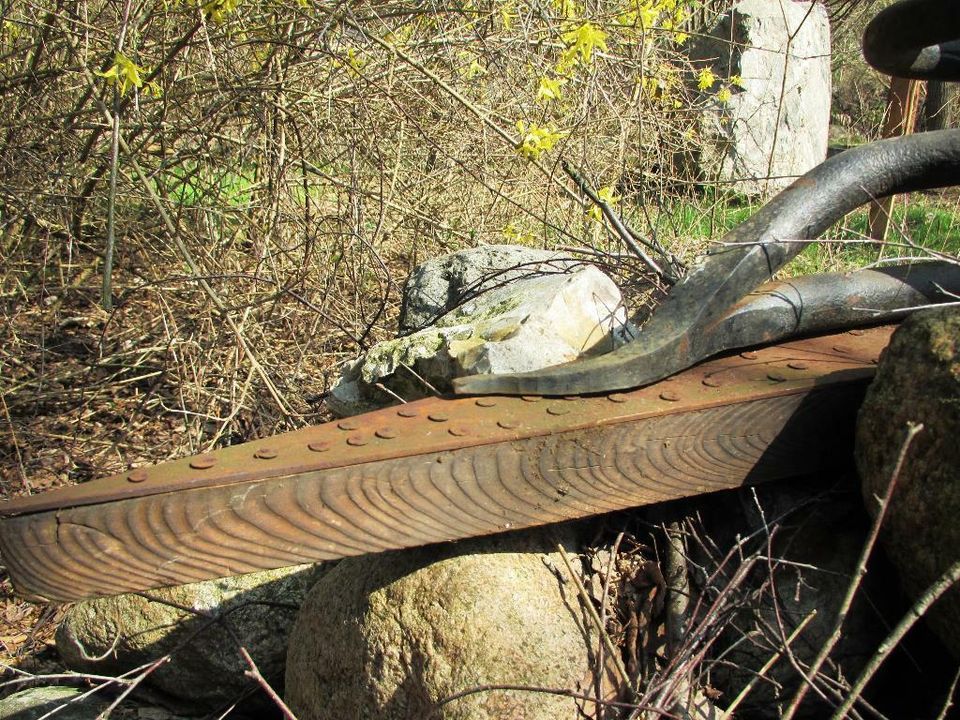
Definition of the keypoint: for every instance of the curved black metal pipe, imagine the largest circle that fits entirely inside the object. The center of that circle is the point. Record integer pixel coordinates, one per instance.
(680, 332)
(915, 39)
(827, 302)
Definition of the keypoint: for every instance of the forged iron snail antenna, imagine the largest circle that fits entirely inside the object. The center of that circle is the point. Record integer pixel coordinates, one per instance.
(913, 38)
(680, 332)
(917, 39)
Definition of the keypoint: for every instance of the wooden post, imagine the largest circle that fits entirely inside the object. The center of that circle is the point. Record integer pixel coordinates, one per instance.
(938, 108)
(903, 101)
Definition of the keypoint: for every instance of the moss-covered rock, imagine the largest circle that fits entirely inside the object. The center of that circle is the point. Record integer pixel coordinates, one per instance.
(529, 324)
(918, 381)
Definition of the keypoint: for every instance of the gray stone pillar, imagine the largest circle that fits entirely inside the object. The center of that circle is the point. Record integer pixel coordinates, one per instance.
(770, 123)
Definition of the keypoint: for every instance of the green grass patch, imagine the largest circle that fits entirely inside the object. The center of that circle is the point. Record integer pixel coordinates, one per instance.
(196, 185)
(920, 226)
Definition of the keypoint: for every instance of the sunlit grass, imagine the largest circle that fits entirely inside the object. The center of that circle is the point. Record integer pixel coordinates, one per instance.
(920, 225)
(194, 185)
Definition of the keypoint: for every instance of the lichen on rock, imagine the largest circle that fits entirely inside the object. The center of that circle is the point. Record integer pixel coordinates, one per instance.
(918, 381)
(530, 323)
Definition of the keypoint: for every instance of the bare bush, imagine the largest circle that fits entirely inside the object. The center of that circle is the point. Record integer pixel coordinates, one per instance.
(243, 187)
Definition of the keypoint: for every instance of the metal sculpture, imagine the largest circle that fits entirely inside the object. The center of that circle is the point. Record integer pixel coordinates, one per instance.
(443, 469)
(913, 38)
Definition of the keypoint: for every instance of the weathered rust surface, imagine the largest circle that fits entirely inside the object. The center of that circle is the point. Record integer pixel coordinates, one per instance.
(442, 469)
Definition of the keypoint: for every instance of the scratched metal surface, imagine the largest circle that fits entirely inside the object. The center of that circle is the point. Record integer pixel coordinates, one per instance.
(442, 469)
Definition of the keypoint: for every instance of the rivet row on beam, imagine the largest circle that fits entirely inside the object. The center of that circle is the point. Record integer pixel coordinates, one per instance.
(556, 407)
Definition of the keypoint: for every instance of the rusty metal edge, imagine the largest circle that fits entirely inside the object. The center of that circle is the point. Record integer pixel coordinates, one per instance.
(200, 533)
(443, 424)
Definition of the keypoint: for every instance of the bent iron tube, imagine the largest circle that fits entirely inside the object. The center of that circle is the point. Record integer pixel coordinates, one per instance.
(680, 333)
(917, 39)
(911, 38)
(814, 304)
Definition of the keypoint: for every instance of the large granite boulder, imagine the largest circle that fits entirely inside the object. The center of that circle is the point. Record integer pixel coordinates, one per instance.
(113, 635)
(918, 381)
(440, 284)
(769, 107)
(387, 637)
(494, 317)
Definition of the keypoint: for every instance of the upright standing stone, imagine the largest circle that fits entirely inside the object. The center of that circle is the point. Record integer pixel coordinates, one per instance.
(769, 106)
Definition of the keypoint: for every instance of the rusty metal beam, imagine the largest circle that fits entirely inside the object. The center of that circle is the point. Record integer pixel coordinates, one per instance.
(442, 469)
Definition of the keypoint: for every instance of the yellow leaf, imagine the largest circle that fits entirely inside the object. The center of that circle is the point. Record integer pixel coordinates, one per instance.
(516, 235)
(508, 14)
(474, 69)
(566, 9)
(355, 62)
(11, 29)
(607, 195)
(535, 140)
(583, 40)
(647, 14)
(400, 37)
(550, 89)
(706, 79)
(124, 73)
(218, 10)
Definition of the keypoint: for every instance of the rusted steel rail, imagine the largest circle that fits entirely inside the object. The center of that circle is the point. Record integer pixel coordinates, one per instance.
(443, 469)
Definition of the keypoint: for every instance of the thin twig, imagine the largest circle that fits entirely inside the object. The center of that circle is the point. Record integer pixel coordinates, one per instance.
(419, 377)
(254, 674)
(677, 605)
(944, 291)
(592, 612)
(948, 700)
(478, 112)
(919, 608)
(106, 292)
(133, 686)
(877, 311)
(748, 688)
(547, 691)
(625, 234)
(174, 234)
(16, 444)
(808, 678)
(604, 596)
(221, 617)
